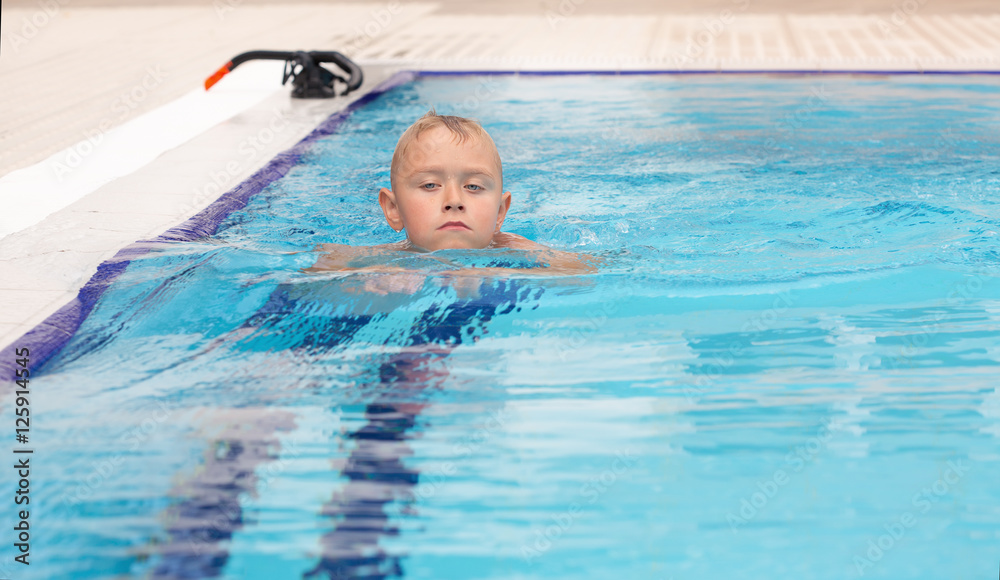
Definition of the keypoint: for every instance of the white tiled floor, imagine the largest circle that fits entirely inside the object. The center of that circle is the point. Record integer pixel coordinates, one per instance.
(45, 265)
(61, 86)
(726, 40)
(87, 65)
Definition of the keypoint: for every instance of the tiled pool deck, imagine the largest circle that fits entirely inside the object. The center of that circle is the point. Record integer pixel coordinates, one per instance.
(107, 138)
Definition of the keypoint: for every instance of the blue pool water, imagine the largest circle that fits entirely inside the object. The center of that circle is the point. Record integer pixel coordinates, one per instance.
(786, 366)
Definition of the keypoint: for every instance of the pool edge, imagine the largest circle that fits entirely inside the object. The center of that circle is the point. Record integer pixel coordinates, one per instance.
(47, 337)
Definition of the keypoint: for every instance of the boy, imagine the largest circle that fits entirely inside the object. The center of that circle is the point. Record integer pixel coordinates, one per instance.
(447, 193)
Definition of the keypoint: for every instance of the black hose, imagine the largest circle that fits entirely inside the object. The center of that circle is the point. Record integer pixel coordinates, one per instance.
(311, 80)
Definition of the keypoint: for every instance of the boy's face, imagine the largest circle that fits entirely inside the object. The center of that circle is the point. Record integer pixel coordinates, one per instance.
(446, 194)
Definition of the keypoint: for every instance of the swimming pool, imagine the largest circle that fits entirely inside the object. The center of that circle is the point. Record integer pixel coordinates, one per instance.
(786, 366)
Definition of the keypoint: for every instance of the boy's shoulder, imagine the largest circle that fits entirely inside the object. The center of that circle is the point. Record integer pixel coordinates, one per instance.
(558, 261)
(515, 242)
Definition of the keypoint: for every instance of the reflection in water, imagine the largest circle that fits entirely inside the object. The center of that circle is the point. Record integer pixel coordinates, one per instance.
(312, 317)
(201, 525)
(376, 476)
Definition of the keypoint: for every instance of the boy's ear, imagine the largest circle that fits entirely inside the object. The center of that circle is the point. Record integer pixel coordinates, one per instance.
(504, 206)
(387, 200)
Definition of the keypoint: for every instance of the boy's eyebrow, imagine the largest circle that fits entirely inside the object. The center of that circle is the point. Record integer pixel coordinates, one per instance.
(470, 171)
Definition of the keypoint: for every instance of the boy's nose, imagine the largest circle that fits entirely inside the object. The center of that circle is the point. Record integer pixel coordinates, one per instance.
(453, 199)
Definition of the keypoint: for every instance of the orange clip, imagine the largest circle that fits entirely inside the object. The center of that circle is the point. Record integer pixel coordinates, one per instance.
(217, 76)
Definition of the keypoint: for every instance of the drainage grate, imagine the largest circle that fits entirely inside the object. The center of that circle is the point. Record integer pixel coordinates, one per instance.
(695, 42)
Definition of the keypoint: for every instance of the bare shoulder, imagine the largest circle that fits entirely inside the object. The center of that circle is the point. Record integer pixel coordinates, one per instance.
(340, 256)
(516, 242)
(558, 261)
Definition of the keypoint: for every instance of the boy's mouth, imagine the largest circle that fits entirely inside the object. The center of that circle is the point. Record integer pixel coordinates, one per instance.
(454, 226)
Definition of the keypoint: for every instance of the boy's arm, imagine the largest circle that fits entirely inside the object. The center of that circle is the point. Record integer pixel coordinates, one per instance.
(338, 257)
(557, 262)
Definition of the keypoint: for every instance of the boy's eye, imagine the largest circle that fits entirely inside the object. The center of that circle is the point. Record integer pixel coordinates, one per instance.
(428, 186)
(474, 187)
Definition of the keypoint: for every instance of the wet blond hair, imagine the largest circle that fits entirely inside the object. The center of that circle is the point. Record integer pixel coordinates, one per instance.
(462, 128)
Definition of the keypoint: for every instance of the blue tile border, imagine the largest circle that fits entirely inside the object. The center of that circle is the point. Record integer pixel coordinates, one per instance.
(49, 337)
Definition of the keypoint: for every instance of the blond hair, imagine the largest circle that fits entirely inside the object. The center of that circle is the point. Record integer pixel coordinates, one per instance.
(462, 128)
